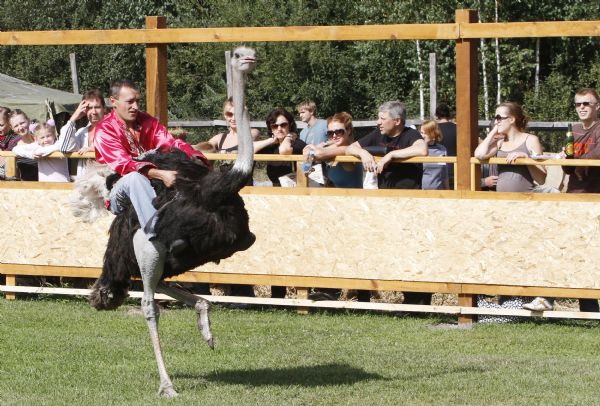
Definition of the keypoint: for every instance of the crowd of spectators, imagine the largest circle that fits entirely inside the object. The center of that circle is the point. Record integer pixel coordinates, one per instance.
(323, 140)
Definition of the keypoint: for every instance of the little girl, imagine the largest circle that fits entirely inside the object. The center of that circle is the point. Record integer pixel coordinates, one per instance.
(49, 169)
(435, 175)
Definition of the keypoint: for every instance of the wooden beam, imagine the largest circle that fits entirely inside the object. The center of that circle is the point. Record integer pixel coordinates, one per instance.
(543, 29)
(465, 300)
(232, 34)
(466, 101)
(156, 73)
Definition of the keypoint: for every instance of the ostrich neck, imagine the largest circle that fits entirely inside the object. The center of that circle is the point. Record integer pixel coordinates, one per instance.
(245, 157)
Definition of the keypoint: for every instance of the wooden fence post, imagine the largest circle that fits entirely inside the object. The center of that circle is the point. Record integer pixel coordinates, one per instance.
(11, 280)
(156, 73)
(466, 119)
(10, 166)
(466, 100)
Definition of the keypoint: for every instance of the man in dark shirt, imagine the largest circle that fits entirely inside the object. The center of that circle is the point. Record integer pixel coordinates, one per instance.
(448, 129)
(392, 139)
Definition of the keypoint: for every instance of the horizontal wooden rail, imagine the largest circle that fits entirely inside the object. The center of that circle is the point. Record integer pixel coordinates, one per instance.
(444, 31)
(530, 161)
(540, 29)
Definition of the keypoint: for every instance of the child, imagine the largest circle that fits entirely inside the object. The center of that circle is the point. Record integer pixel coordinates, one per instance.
(49, 169)
(435, 175)
(8, 139)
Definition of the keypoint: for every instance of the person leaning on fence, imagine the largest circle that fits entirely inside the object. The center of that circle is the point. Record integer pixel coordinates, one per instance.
(586, 136)
(8, 139)
(20, 124)
(315, 131)
(227, 142)
(49, 169)
(435, 175)
(337, 174)
(283, 140)
(448, 129)
(393, 139)
(127, 133)
(71, 139)
(508, 140)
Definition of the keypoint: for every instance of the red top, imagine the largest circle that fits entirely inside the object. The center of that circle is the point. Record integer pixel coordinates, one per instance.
(116, 146)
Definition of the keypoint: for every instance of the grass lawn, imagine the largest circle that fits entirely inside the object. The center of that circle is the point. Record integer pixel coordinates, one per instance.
(61, 351)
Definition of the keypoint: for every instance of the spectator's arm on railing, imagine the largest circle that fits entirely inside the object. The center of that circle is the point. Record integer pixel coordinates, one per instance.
(489, 146)
(368, 161)
(418, 148)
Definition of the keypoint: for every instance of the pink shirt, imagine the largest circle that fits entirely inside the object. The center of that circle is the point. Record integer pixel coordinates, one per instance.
(116, 149)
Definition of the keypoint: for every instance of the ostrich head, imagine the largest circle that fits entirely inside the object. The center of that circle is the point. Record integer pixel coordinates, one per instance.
(243, 59)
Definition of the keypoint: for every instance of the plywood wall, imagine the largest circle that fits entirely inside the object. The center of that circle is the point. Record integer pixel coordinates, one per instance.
(531, 243)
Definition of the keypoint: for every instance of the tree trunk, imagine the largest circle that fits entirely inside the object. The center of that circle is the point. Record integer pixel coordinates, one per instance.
(537, 67)
(421, 91)
(486, 99)
(498, 77)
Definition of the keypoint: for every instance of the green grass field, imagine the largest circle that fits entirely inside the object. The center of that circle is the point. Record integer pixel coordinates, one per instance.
(57, 351)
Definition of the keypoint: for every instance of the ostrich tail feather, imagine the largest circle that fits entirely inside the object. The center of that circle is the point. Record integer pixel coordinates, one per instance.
(89, 193)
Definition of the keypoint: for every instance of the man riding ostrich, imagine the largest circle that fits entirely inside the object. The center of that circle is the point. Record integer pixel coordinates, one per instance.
(194, 217)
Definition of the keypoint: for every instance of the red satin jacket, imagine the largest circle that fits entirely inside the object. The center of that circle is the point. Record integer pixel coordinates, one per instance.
(117, 148)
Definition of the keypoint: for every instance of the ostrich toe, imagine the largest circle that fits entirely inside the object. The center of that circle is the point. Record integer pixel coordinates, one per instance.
(167, 391)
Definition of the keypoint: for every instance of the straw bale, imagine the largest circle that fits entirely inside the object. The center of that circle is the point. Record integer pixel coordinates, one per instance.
(508, 242)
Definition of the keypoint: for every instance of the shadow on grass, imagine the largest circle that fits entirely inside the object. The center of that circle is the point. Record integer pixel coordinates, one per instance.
(308, 376)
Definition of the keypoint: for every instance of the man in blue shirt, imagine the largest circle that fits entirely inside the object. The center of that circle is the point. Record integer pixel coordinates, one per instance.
(315, 131)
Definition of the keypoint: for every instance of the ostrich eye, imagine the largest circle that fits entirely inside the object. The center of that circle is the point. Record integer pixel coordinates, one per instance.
(236, 55)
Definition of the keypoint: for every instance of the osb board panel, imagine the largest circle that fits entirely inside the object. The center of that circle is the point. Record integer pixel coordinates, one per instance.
(530, 243)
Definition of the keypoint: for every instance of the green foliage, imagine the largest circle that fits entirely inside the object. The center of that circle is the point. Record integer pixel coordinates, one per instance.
(351, 76)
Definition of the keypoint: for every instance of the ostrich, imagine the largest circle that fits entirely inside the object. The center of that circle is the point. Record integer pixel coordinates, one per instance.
(204, 209)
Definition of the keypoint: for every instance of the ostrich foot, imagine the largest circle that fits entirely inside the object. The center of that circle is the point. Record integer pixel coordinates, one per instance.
(167, 391)
(202, 308)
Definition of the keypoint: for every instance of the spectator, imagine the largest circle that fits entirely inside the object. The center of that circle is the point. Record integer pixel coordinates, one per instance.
(509, 140)
(283, 139)
(337, 174)
(19, 123)
(435, 175)
(340, 136)
(226, 142)
(315, 131)
(393, 139)
(127, 133)
(448, 129)
(49, 169)
(586, 136)
(81, 141)
(8, 139)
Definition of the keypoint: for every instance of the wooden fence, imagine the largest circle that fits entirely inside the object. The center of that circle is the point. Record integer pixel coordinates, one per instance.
(465, 31)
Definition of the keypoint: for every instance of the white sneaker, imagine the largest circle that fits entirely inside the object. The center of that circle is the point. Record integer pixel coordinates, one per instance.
(539, 304)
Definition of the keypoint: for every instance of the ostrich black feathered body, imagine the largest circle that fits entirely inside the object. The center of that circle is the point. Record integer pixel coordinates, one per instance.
(204, 209)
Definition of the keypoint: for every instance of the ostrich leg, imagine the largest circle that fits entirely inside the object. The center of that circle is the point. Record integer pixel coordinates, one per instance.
(202, 307)
(150, 256)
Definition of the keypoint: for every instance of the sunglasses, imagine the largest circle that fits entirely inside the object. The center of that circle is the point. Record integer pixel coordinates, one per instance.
(584, 104)
(338, 132)
(275, 126)
(500, 118)
(229, 114)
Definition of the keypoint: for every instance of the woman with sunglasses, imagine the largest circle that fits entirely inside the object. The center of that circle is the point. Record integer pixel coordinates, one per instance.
(339, 136)
(227, 142)
(337, 174)
(508, 140)
(283, 140)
